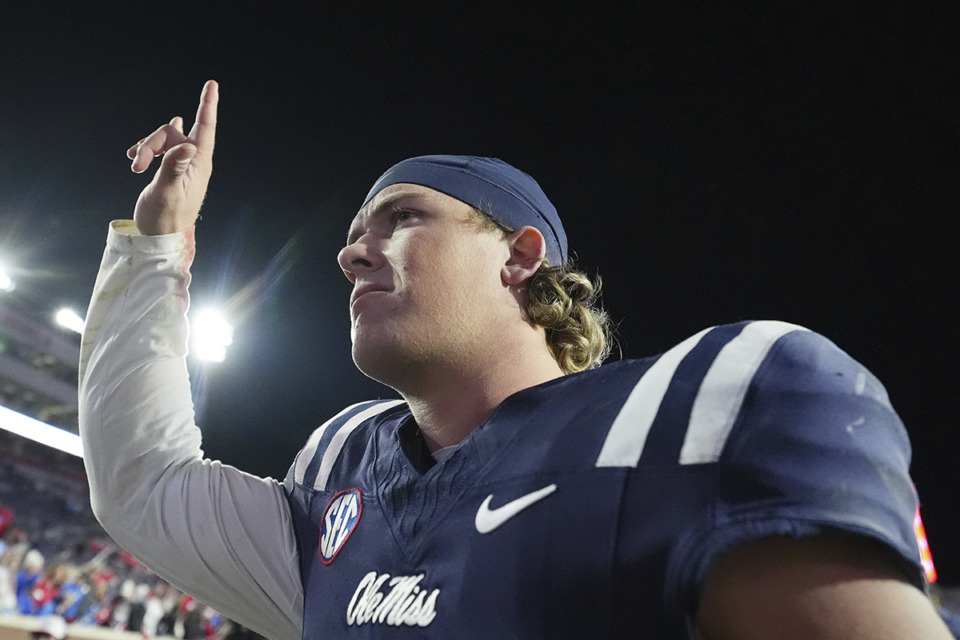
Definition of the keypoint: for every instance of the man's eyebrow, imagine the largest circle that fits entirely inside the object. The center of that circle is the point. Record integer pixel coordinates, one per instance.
(385, 204)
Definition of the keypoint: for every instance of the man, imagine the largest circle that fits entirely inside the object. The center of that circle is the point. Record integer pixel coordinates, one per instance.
(749, 483)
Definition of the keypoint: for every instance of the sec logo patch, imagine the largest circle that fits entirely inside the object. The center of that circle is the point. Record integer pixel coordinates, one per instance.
(340, 518)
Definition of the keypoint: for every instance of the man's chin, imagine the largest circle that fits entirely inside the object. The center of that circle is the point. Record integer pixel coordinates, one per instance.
(379, 362)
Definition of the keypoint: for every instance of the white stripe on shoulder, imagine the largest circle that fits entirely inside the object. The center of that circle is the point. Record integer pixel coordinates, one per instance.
(340, 437)
(310, 449)
(306, 455)
(628, 433)
(722, 391)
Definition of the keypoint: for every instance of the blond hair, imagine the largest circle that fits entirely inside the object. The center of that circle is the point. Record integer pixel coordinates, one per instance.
(566, 303)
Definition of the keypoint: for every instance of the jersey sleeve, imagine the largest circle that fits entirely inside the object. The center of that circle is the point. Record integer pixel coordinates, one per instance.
(222, 535)
(815, 447)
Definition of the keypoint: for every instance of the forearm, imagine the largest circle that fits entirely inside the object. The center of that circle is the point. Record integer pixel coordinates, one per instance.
(135, 403)
(216, 532)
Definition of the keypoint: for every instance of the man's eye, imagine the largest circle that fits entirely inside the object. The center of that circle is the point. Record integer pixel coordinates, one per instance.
(402, 215)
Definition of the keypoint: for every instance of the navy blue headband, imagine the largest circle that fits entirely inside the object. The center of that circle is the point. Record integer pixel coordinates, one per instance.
(488, 184)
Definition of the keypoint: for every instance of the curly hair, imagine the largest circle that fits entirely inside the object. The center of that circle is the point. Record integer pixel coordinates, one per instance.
(566, 303)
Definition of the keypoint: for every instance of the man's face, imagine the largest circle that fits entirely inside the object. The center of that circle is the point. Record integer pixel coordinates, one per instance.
(427, 281)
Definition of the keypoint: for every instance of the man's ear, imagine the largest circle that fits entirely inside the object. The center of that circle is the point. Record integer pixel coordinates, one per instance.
(527, 251)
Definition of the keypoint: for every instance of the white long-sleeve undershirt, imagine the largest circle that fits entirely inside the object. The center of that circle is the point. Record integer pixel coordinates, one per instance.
(222, 535)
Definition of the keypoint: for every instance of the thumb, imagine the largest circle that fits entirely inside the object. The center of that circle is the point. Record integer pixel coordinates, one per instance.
(176, 161)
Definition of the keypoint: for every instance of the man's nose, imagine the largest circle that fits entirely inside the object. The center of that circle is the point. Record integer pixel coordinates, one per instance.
(358, 257)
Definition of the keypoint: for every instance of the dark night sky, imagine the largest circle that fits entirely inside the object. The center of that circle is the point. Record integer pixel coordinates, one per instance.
(712, 162)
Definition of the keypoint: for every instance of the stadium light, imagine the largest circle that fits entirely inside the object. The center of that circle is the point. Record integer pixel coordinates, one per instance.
(210, 335)
(6, 282)
(41, 432)
(70, 319)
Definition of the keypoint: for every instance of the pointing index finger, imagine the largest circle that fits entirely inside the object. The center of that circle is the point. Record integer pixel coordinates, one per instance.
(204, 128)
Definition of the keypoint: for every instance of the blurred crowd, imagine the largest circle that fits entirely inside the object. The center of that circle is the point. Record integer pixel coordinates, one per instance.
(100, 593)
(57, 563)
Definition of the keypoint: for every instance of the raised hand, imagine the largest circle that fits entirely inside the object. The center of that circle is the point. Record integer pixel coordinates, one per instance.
(172, 200)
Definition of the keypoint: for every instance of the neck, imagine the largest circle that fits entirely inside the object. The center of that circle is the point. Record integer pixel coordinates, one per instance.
(453, 402)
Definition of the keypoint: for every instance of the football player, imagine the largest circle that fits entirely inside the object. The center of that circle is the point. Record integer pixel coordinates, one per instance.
(751, 482)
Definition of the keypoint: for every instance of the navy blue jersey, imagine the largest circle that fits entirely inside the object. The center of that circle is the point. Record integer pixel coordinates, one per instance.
(593, 505)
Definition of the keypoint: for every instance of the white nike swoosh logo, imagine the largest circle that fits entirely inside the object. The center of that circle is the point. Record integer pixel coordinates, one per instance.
(489, 519)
